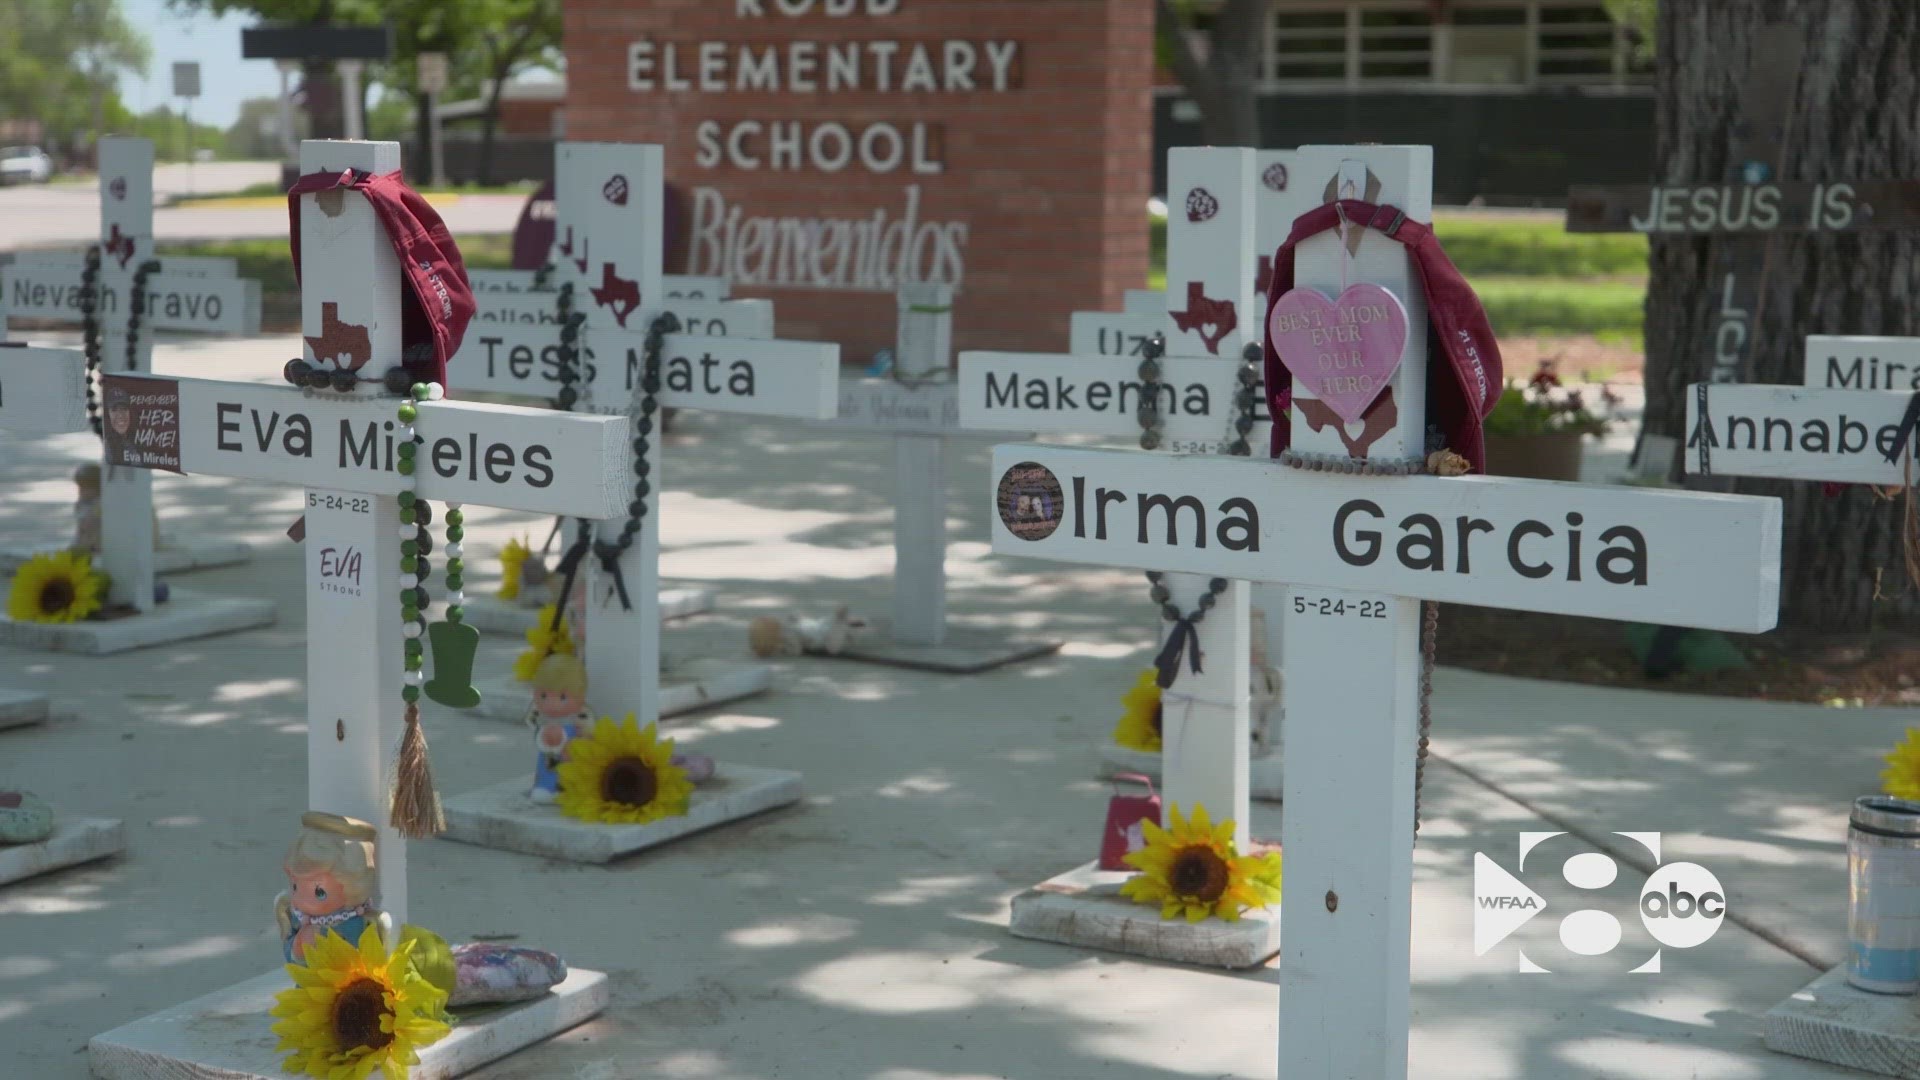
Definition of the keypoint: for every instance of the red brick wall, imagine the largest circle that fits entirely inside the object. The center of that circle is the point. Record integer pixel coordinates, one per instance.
(533, 118)
(1050, 178)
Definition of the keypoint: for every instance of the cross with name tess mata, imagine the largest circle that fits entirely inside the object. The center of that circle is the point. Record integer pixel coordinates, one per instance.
(340, 446)
(1195, 407)
(184, 294)
(612, 193)
(1359, 555)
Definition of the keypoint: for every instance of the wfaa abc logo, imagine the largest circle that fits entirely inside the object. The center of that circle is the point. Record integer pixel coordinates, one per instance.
(1680, 905)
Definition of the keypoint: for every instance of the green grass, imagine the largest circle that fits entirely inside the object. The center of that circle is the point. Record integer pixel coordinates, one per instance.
(1532, 275)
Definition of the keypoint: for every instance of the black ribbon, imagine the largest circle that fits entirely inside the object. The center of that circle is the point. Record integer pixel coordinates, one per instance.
(1703, 431)
(1183, 639)
(609, 556)
(1905, 433)
(569, 570)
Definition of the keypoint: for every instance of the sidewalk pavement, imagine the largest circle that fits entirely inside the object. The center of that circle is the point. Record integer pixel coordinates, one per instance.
(862, 934)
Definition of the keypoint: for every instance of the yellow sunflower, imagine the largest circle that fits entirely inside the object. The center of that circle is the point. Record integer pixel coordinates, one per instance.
(57, 587)
(1139, 727)
(1192, 868)
(1901, 777)
(353, 1010)
(512, 557)
(544, 642)
(623, 775)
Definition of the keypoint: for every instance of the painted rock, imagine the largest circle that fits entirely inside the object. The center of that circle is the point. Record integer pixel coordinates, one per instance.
(699, 766)
(488, 973)
(25, 818)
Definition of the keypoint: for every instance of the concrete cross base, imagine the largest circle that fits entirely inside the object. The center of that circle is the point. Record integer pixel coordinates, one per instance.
(1829, 1020)
(19, 708)
(502, 816)
(1263, 773)
(171, 557)
(492, 615)
(227, 1034)
(1084, 907)
(186, 616)
(964, 652)
(75, 840)
(684, 687)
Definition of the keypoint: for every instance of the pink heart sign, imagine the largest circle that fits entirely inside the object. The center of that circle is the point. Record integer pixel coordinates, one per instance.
(1342, 351)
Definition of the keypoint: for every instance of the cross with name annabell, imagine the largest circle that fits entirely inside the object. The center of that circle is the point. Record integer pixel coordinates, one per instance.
(187, 294)
(612, 193)
(1195, 402)
(342, 447)
(1360, 554)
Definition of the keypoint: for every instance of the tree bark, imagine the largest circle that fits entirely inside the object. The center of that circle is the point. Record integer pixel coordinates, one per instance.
(323, 103)
(1226, 84)
(1855, 117)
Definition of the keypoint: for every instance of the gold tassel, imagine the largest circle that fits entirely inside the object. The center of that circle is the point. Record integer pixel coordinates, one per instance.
(415, 812)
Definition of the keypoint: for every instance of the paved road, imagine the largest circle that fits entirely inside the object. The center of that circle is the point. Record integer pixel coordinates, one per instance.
(67, 215)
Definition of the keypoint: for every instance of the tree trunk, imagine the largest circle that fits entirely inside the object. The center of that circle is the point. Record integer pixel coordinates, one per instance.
(423, 137)
(489, 121)
(1226, 83)
(1854, 117)
(325, 117)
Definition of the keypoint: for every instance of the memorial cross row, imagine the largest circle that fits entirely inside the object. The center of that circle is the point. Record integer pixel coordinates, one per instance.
(1360, 554)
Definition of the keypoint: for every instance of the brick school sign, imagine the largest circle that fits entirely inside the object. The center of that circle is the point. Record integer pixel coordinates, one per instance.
(829, 151)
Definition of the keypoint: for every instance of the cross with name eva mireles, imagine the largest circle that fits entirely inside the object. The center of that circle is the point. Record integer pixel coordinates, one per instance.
(121, 294)
(1360, 554)
(365, 575)
(620, 345)
(1194, 388)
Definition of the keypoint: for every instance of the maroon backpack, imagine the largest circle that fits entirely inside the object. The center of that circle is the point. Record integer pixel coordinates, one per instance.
(438, 302)
(1461, 391)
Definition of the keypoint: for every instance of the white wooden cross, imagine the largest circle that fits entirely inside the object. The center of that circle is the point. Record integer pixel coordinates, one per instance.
(340, 448)
(1840, 426)
(1205, 755)
(1360, 553)
(918, 405)
(186, 294)
(612, 193)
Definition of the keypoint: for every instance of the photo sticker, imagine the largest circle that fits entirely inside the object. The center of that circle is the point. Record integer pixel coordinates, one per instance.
(1030, 501)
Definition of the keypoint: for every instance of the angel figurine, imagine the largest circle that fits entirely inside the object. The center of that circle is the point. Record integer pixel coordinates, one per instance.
(332, 880)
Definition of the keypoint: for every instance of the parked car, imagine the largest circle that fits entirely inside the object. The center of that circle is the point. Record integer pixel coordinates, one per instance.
(25, 165)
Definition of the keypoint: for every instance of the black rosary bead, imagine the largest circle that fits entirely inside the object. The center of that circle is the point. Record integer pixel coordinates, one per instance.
(344, 380)
(1160, 593)
(567, 397)
(397, 381)
(1207, 600)
(1218, 585)
(295, 371)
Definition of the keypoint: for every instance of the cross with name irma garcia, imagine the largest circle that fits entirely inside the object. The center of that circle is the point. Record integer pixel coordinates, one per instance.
(1361, 553)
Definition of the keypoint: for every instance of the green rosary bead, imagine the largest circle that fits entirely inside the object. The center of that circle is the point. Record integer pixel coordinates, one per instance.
(406, 500)
(406, 450)
(456, 518)
(455, 533)
(408, 562)
(414, 648)
(409, 613)
(455, 566)
(408, 412)
(404, 466)
(456, 613)
(409, 694)
(409, 547)
(454, 580)
(413, 663)
(419, 391)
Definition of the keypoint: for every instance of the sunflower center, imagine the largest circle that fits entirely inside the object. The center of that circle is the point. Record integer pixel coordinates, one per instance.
(1198, 872)
(630, 781)
(357, 1011)
(56, 596)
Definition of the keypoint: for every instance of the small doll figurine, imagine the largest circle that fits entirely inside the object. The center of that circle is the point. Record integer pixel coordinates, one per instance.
(559, 715)
(331, 882)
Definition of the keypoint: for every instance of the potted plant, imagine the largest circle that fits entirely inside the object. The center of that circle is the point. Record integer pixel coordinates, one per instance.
(1535, 431)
